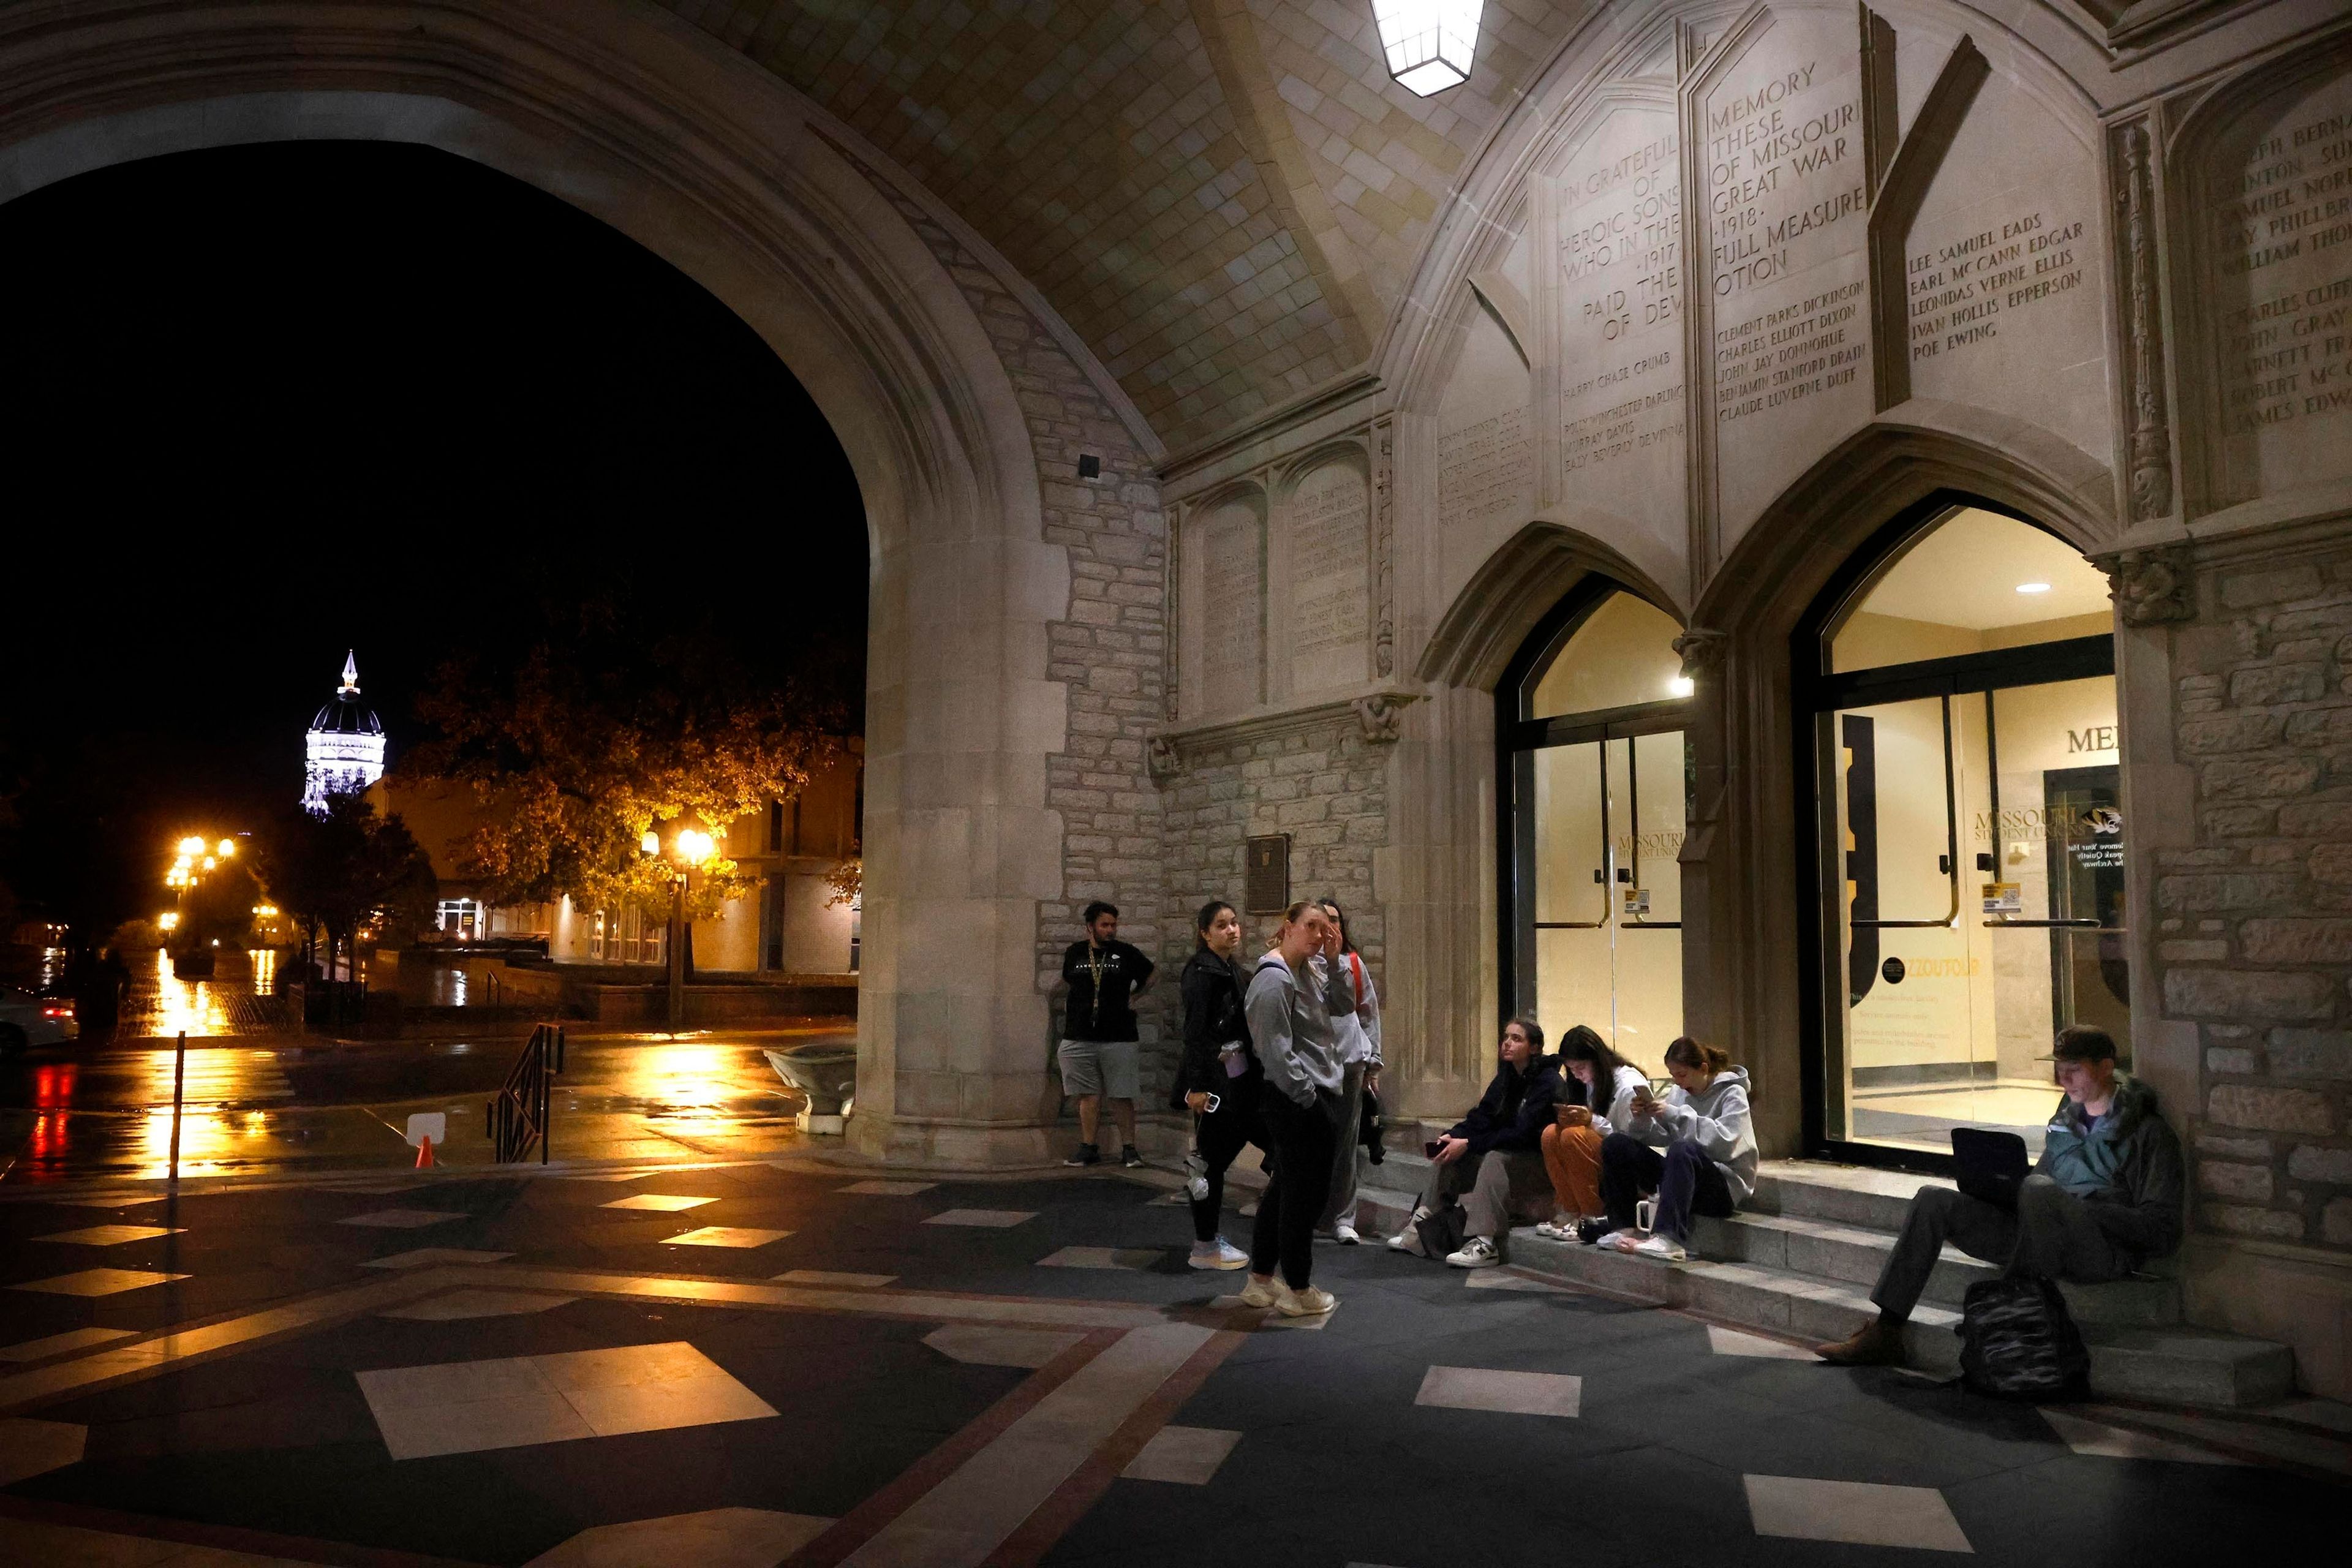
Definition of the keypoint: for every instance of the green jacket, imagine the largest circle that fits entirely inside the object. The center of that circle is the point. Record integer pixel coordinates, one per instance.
(2127, 1169)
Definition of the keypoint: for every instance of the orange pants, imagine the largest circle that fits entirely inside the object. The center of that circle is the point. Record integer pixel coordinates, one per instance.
(1572, 1157)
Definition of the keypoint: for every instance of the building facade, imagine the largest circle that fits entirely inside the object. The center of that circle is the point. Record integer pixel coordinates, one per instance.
(343, 749)
(1821, 528)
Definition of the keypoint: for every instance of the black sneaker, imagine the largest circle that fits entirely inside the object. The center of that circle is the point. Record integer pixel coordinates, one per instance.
(1132, 1159)
(1592, 1230)
(1088, 1154)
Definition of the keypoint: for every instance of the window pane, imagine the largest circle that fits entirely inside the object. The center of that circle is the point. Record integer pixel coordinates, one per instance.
(1620, 653)
(1975, 582)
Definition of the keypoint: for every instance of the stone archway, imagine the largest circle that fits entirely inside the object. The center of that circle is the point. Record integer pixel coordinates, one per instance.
(720, 170)
(1741, 967)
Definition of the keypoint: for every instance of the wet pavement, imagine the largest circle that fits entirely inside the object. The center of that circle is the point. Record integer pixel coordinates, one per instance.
(260, 1097)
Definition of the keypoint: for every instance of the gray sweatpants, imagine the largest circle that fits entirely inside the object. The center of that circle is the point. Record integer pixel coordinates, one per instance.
(2051, 1236)
(1493, 1181)
(1342, 1209)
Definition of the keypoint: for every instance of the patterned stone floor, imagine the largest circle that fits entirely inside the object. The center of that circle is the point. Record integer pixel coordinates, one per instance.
(747, 1363)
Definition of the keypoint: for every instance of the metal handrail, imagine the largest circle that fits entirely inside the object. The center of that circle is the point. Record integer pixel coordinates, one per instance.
(519, 1116)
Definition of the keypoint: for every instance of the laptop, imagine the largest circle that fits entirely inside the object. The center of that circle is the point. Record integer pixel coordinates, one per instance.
(1991, 1165)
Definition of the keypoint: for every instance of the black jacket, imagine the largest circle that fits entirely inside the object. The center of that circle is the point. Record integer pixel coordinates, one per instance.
(1515, 1110)
(1213, 1016)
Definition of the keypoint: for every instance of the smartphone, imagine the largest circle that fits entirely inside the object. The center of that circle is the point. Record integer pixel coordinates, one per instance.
(1431, 1148)
(1214, 1101)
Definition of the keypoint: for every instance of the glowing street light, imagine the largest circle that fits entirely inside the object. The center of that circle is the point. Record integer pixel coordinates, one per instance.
(191, 846)
(1428, 42)
(168, 921)
(691, 847)
(227, 847)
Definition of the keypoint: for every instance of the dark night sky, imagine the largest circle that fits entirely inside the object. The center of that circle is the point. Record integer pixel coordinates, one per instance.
(276, 402)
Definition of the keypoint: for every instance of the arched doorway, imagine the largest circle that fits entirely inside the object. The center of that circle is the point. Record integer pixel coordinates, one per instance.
(1595, 794)
(1962, 820)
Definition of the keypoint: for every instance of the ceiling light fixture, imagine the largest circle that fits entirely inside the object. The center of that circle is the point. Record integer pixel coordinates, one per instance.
(2034, 587)
(1428, 42)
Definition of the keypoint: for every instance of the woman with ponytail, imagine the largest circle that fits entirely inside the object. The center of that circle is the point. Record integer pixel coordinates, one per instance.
(1709, 1164)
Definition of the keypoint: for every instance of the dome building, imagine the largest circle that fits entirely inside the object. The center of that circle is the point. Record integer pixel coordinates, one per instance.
(344, 750)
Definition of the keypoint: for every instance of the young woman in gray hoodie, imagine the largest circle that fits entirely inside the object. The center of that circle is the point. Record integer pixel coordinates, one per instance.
(1709, 1164)
(1293, 1014)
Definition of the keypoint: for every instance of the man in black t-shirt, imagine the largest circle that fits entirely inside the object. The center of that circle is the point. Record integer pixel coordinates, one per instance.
(1098, 1054)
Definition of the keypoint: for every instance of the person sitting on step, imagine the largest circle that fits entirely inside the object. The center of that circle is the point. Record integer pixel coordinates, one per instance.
(2105, 1198)
(1495, 1151)
(1596, 1099)
(1709, 1164)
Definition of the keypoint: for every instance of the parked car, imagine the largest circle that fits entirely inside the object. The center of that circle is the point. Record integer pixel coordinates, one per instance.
(28, 1020)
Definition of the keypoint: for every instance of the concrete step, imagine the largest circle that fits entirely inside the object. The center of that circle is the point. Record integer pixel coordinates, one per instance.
(2161, 1365)
(1854, 1256)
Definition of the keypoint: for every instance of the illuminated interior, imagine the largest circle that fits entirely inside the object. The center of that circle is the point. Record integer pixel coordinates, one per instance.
(1971, 924)
(1603, 806)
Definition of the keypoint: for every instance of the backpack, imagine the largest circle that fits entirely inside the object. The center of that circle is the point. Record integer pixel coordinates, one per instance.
(1441, 1230)
(2017, 1341)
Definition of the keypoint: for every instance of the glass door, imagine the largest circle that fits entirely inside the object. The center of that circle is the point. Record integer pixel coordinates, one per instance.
(1601, 825)
(1978, 905)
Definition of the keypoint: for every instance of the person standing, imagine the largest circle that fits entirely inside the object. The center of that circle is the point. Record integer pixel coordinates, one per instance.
(1218, 1077)
(1291, 1019)
(1098, 1054)
(1359, 1062)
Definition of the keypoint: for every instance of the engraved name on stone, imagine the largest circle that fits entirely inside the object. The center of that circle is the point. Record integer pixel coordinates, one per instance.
(1959, 292)
(1328, 517)
(2281, 238)
(1483, 469)
(1621, 268)
(1229, 614)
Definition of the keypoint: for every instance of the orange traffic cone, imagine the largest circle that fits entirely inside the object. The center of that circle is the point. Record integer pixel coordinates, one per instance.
(425, 1154)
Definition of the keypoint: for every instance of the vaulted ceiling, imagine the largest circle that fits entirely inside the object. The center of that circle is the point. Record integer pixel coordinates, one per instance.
(1225, 198)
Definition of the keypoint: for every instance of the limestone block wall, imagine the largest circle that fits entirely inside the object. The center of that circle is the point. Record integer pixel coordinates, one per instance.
(1319, 779)
(2255, 917)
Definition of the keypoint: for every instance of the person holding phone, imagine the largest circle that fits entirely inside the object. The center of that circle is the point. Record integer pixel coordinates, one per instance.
(1360, 1064)
(1596, 1097)
(1291, 1013)
(1708, 1165)
(1496, 1153)
(1218, 1077)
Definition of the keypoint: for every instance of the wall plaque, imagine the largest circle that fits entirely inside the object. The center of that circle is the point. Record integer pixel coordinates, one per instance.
(1265, 874)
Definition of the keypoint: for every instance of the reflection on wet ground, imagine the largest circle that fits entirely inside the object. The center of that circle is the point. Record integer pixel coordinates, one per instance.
(240, 999)
(258, 1106)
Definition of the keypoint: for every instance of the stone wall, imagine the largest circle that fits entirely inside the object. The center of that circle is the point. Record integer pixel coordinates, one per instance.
(1109, 653)
(1318, 778)
(2255, 919)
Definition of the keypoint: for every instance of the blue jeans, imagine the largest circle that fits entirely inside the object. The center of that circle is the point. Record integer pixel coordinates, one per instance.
(1684, 1179)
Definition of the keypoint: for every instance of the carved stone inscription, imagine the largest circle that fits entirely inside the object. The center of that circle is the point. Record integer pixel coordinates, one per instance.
(1785, 266)
(1231, 614)
(1483, 469)
(1621, 320)
(1960, 290)
(2278, 207)
(1323, 624)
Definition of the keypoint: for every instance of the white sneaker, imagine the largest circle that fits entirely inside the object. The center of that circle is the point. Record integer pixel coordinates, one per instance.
(1261, 1293)
(1346, 1236)
(1477, 1253)
(1409, 1238)
(1660, 1247)
(1311, 1302)
(1217, 1253)
(1559, 1228)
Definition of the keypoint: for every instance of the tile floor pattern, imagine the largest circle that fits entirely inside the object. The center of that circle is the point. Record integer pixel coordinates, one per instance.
(402, 1219)
(537, 1380)
(726, 1235)
(99, 1282)
(1862, 1513)
(466, 1407)
(113, 1235)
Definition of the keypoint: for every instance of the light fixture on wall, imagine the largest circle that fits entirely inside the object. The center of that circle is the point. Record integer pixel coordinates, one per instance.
(2034, 587)
(1428, 42)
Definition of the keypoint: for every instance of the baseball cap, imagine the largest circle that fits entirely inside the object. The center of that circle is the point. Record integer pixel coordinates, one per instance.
(2081, 1043)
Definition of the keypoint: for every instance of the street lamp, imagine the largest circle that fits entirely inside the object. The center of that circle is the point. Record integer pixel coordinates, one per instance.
(689, 849)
